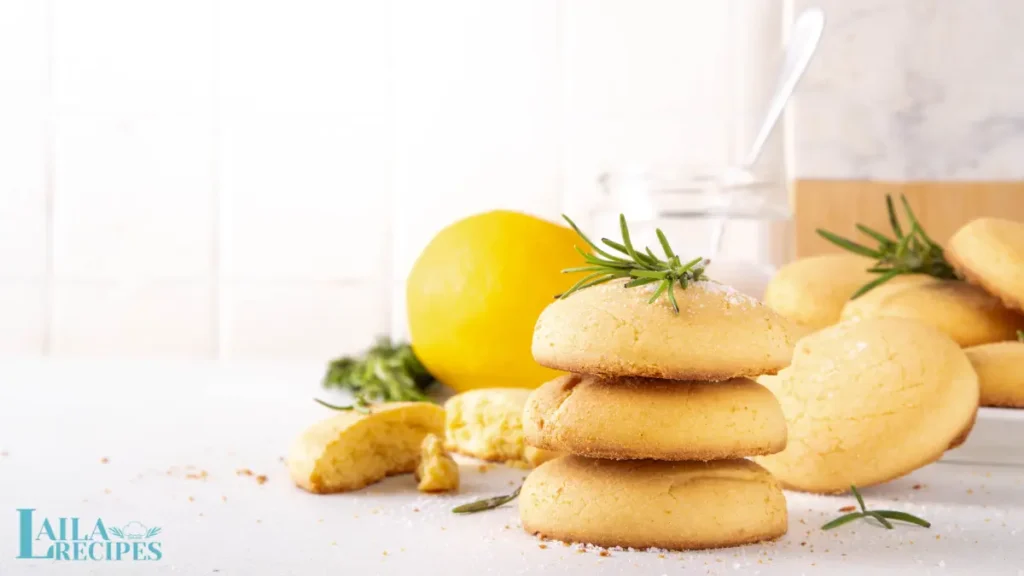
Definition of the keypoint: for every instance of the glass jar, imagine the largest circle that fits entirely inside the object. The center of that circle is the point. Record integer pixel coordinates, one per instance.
(743, 228)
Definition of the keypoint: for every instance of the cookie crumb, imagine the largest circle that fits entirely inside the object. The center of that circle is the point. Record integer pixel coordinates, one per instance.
(916, 486)
(106, 490)
(603, 553)
(847, 508)
(191, 499)
(542, 546)
(415, 509)
(483, 468)
(244, 472)
(261, 479)
(223, 498)
(104, 460)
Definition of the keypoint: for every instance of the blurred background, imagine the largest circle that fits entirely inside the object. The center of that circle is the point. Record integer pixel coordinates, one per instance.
(231, 179)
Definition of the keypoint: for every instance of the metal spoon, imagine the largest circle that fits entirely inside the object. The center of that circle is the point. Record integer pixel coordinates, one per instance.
(802, 45)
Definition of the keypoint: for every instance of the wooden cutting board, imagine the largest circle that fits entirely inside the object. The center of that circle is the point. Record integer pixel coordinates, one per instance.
(942, 207)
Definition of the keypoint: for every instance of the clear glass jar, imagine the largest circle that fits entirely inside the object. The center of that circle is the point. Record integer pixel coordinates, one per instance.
(691, 208)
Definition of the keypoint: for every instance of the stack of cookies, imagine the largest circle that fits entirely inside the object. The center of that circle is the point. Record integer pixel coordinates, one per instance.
(657, 416)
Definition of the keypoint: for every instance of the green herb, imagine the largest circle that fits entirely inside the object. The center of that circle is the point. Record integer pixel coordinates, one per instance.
(910, 253)
(882, 516)
(486, 503)
(387, 372)
(1020, 335)
(359, 406)
(643, 267)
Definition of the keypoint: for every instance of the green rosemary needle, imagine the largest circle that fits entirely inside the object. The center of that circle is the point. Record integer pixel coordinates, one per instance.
(641, 266)
(882, 516)
(359, 405)
(910, 253)
(486, 503)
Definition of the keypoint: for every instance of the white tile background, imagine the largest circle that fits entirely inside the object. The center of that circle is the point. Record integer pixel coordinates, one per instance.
(204, 178)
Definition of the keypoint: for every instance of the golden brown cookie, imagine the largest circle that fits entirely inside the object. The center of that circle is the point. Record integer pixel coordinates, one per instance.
(989, 252)
(623, 418)
(646, 503)
(612, 330)
(1000, 368)
(870, 401)
(968, 314)
(351, 450)
(812, 291)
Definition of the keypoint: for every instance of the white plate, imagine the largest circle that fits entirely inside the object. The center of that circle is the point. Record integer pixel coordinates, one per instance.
(997, 438)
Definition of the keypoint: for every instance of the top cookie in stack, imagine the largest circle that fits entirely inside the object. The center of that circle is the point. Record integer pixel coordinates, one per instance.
(659, 388)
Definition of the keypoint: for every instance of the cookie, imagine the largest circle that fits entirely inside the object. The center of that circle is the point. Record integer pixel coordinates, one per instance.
(351, 450)
(612, 330)
(968, 314)
(624, 418)
(488, 424)
(812, 291)
(989, 252)
(1000, 368)
(646, 503)
(870, 401)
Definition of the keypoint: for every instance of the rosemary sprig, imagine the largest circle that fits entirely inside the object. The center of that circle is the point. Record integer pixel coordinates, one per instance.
(910, 253)
(486, 503)
(359, 405)
(387, 372)
(642, 266)
(882, 516)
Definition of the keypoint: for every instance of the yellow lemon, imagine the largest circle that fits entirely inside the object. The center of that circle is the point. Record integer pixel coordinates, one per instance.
(475, 292)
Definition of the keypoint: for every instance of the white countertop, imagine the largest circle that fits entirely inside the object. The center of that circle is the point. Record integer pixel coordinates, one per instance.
(151, 421)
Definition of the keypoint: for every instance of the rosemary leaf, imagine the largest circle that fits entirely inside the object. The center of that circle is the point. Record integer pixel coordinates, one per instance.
(881, 519)
(842, 520)
(664, 244)
(486, 503)
(849, 244)
(904, 517)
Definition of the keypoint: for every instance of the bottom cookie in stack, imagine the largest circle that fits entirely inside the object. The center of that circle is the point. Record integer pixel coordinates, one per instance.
(653, 504)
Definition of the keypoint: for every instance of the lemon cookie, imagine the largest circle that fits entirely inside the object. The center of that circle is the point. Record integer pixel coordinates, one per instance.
(609, 329)
(646, 503)
(488, 424)
(634, 418)
(870, 401)
(436, 472)
(351, 450)
(812, 291)
(990, 252)
(1000, 368)
(965, 312)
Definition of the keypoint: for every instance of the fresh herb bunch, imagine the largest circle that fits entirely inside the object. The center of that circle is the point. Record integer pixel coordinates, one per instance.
(486, 503)
(644, 267)
(387, 372)
(883, 516)
(910, 253)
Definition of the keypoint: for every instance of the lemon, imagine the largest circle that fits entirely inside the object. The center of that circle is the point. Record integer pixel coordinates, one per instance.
(475, 292)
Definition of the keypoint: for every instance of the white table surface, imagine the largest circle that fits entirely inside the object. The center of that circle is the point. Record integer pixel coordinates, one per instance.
(153, 420)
